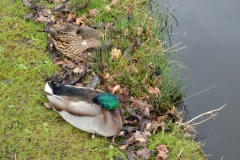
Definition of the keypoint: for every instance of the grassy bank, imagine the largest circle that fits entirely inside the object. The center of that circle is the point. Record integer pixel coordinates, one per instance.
(29, 131)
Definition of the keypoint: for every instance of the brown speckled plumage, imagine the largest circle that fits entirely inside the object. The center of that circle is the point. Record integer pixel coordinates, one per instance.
(71, 44)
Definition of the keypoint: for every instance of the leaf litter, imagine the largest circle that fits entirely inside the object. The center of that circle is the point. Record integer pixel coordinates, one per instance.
(140, 123)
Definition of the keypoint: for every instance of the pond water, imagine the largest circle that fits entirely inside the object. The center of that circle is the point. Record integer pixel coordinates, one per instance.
(211, 31)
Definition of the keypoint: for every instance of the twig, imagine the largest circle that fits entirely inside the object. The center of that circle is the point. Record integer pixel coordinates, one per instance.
(179, 154)
(205, 119)
(209, 112)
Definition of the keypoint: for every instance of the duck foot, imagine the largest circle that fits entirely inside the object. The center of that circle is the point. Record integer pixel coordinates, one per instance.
(48, 105)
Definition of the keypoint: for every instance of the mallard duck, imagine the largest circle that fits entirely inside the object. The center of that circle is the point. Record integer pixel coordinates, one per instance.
(88, 109)
(69, 43)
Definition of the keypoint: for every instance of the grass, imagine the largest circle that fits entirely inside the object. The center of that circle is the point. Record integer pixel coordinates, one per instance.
(30, 131)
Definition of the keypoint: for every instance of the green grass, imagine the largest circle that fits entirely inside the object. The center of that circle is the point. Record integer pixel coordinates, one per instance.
(30, 131)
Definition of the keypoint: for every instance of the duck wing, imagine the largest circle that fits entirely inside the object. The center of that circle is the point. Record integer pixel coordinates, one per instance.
(74, 100)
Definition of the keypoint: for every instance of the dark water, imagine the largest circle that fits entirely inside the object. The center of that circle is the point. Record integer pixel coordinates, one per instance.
(212, 37)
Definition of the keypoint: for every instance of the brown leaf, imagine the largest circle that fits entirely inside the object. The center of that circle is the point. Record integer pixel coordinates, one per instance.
(59, 63)
(79, 21)
(171, 112)
(106, 76)
(161, 118)
(115, 53)
(148, 32)
(156, 91)
(139, 137)
(77, 70)
(46, 12)
(93, 12)
(69, 18)
(108, 8)
(139, 30)
(139, 103)
(144, 153)
(162, 152)
(69, 64)
(154, 125)
(114, 88)
(40, 18)
(123, 147)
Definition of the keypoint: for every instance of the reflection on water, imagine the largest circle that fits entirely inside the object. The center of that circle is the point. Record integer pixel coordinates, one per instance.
(212, 31)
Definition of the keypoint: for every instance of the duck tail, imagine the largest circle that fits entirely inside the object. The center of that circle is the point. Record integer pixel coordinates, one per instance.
(48, 88)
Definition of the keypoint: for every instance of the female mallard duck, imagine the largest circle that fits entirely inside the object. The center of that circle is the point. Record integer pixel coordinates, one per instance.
(69, 43)
(85, 108)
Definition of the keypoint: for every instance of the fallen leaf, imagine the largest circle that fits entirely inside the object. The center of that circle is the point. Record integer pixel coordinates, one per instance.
(68, 64)
(148, 32)
(46, 12)
(123, 147)
(108, 8)
(162, 152)
(114, 88)
(41, 18)
(124, 31)
(139, 103)
(171, 112)
(139, 137)
(156, 91)
(69, 18)
(139, 30)
(79, 21)
(144, 153)
(59, 63)
(154, 126)
(93, 12)
(77, 70)
(115, 53)
(107, 75)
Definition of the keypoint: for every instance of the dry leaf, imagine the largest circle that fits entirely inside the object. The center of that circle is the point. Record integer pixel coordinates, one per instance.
(162, 152)
(139, 30)
(77, 70)
(148, 32)
(156, 91)
(115, 53)
(154, 125)
(79, 21)
(93, 12)
(59, 63)
(139, 103)
(107, 75)
(69, 17)
(68, 64)
(41, 18)
(113, 89)
(123, 147)
(108, 8)
(144, 153)
(139, 137)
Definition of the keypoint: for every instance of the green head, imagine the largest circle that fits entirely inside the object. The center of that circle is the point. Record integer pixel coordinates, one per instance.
(106, 100)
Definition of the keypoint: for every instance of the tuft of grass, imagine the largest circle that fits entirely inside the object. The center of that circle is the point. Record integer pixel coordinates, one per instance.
(179, 145)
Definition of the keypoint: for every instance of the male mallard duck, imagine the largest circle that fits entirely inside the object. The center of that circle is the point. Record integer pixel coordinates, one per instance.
(85, 108)
(69, 43)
